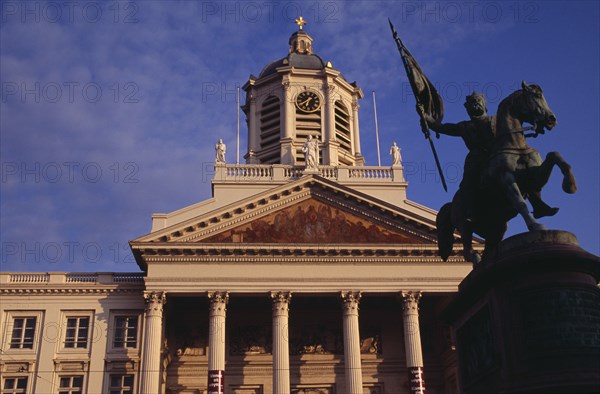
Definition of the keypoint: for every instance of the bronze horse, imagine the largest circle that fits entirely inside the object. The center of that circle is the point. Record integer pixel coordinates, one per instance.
(515, 172)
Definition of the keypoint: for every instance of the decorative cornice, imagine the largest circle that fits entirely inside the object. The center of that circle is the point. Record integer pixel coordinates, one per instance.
(241, 279)
(233, 253)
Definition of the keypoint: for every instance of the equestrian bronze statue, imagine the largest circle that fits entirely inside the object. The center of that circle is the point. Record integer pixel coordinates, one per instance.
(501, 171)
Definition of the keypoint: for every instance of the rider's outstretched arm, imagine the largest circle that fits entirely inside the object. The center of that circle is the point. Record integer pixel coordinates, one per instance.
(452, 129)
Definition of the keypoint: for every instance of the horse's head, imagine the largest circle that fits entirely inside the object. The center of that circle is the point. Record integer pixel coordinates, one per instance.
(534, 109)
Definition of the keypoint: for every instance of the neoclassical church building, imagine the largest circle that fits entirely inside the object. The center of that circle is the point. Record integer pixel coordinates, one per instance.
(307, 272)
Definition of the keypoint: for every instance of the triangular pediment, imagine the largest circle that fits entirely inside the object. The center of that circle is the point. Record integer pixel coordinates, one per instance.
(311, 210)
(313, 221)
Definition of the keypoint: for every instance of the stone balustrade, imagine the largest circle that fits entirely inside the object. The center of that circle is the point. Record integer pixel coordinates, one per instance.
(26, 278)
(256, 173)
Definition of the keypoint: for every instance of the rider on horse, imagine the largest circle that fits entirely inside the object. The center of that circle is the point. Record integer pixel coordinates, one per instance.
(479, 134)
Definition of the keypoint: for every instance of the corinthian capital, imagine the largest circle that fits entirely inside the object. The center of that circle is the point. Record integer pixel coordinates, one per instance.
(218, 301)
(155, 300)
(281, 297)
(350, 301)
(410, 300)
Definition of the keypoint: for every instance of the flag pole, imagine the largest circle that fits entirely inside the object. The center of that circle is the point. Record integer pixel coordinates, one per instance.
(376, 130)
(237, 102)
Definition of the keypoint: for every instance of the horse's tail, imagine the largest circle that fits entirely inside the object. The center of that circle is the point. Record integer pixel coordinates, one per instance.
(445, 231)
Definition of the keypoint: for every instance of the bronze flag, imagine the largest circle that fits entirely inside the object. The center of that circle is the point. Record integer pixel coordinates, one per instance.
(427, 98)
(423, 89)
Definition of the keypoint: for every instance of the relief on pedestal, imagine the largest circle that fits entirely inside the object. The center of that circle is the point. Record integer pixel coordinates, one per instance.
(476, 343)
(311, 221)
(560, 318)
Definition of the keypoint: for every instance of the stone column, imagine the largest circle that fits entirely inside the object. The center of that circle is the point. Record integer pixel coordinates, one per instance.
(330, 143)
(216, 342)
(412, 341)
(253, 129)
(287, 124)
(281, 344)
(355, 127)
(150, 374)
(288, 112)
(352, 367)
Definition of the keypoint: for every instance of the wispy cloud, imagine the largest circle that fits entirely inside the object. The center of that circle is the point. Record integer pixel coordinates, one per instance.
(143, 93)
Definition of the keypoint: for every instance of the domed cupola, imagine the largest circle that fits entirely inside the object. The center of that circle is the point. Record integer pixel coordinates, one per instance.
(301, 55)
(299, 96)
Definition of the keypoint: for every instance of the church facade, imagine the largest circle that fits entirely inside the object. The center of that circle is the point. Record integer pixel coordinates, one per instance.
(307, 272)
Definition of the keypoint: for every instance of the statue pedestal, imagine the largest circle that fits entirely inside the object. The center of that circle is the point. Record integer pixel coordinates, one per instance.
(528, 320)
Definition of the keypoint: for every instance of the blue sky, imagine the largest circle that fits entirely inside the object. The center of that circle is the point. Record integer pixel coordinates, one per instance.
(110, 110)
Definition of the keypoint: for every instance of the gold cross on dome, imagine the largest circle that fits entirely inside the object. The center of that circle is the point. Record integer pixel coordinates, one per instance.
(301, 22)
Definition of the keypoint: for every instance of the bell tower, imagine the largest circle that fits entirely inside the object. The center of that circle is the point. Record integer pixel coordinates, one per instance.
(299, 96)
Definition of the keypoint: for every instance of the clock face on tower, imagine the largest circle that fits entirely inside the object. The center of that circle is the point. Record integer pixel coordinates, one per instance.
(308, 101)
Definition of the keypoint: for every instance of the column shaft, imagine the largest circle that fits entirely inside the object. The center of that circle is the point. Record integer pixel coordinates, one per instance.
(281, 345)
(355, 127)
(150, 374)
(288, 112)
(352, 366)
(253, 129)
(412, 341)
(216, 342)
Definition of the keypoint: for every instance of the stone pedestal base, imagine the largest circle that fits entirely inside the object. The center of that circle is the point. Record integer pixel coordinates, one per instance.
(528, 320)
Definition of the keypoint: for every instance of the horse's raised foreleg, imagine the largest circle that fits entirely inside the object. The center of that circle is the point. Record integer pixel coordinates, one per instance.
(569, 185)
(515, 197)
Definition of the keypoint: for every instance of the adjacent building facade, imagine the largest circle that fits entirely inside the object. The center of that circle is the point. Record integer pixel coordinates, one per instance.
(307, 272)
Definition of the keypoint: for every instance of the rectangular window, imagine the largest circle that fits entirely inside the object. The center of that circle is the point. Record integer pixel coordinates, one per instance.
(23, 332)
(76, 335)
(14, 385)
(70, 385)
(126, 332)
(121, 384)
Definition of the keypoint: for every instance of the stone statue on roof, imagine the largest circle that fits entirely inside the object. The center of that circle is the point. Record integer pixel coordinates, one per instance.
(220, 149)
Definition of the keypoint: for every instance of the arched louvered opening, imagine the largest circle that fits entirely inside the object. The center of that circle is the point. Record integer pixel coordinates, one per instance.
(342, 133)
(270, 131)
(307, 124)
